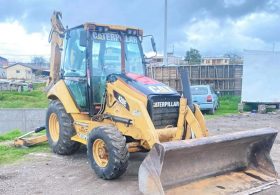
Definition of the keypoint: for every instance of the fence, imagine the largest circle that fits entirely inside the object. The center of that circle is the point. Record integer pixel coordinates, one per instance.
(7, 85)
(224, 78)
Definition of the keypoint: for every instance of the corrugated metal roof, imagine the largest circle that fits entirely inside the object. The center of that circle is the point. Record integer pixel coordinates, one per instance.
(28, 65)
(3, 58)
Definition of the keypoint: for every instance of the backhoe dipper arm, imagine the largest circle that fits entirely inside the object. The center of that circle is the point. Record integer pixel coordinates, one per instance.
(56, 39)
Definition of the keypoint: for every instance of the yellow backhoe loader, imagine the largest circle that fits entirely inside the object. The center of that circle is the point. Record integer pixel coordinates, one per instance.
(100, 97)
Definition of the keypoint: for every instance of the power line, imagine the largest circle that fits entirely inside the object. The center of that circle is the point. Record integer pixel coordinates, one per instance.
(31, 55)
(165, 33)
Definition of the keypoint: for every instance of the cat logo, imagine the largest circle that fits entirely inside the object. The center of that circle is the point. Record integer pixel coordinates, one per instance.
(165, 104)
(121, 99)
(160, 89)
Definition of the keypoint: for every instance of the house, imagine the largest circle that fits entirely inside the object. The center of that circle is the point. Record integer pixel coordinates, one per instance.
(215, 61)
(2, 73)
(171, 60)
(26, 71)
(19, 71)
(39, 70)
(3, 62)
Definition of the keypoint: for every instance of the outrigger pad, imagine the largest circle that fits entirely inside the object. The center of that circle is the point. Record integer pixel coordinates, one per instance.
(226, 164)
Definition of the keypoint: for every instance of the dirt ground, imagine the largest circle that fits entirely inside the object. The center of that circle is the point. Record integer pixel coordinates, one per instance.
(48, 173)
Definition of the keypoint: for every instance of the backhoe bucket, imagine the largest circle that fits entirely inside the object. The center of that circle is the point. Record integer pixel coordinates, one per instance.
(222, 164)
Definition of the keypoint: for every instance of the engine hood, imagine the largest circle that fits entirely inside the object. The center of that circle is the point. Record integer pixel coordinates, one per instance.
(147, 85)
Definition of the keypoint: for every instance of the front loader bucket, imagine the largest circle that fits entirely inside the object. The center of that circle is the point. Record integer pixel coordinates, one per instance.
(222, 164)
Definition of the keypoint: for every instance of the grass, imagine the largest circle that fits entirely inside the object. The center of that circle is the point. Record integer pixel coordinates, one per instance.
(29, 99)
(10, 135)
(228, 105)
(9, 153)
(12, 99)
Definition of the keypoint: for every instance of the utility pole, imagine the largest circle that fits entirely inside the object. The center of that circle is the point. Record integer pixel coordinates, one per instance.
(165, 34)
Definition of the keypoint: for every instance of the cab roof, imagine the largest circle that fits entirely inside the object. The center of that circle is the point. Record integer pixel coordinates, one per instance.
(95, 26)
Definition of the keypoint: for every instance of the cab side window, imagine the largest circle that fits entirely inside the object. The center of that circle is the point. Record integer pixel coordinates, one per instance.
(74, 62)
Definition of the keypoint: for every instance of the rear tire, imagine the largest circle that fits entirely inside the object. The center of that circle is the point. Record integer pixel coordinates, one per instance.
(212, 111)
(59, 133)
(114, 162)
(218, 105)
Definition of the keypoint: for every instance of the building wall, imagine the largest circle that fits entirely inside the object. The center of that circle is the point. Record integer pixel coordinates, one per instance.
(261, 77)
(19, 72)
(227, 79)
(215, 61)
(171, 60)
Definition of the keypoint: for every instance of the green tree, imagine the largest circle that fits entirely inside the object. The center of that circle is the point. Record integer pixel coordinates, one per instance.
(234, 58)
(193, 56)
(38, 60)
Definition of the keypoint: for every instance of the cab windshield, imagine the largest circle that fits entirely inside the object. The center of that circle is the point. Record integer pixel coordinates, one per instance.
(107, 54)
(107, 59)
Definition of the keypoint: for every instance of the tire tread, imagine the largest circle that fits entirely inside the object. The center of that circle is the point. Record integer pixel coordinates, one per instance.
(64, 145)
(118, 147)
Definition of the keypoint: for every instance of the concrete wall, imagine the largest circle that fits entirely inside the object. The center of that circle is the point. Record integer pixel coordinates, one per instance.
(22, 119)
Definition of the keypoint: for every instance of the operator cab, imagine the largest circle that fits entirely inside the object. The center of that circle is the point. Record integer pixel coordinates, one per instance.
(91, 53)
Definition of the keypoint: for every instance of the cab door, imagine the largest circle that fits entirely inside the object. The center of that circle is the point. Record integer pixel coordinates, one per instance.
(73, 68)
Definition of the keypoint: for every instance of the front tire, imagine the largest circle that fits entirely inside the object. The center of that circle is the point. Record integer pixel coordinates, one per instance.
(59, 129)
(107, 152)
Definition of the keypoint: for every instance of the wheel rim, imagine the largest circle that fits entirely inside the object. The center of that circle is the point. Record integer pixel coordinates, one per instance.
(100, 153)
(54, 127)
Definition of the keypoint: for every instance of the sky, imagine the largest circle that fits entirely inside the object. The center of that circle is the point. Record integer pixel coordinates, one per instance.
(214, 27)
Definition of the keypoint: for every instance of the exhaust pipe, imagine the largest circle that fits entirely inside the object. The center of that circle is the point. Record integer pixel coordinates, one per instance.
(186, 86)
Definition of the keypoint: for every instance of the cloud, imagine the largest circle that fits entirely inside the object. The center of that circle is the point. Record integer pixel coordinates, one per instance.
(261, 25)
(216, 37)
(17, 44)
(229, 3)
(212, 26)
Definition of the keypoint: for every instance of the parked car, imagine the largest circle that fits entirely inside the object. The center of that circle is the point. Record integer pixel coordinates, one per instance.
(205, 97)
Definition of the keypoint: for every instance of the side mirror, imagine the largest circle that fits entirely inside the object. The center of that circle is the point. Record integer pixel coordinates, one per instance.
(153, 44)
(83, 38)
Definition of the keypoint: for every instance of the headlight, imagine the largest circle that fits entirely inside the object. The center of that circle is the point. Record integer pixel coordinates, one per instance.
(99, 28)
(133, 32)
